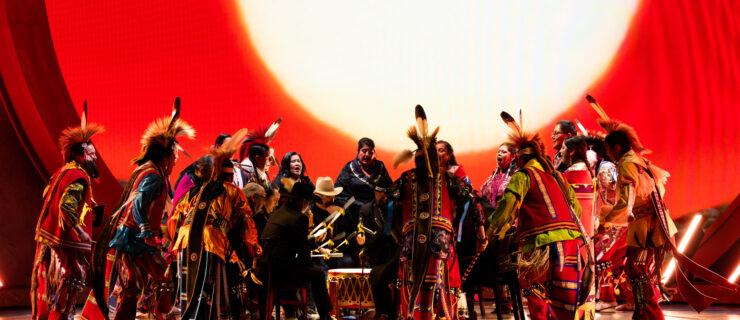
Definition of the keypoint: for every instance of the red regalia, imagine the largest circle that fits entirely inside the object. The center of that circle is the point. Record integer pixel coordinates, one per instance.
(550, 266)
(125, 263)
(429, 276)
(62, 253)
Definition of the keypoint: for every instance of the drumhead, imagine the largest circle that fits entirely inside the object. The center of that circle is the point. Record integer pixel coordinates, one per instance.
(349, 271)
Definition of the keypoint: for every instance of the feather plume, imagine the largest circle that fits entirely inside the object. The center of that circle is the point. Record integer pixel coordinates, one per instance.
(595, 105)
(260, 135)
(82, 134)
(433, 136)
(611, 125)
(272, 130)
(175, 109)
(509, 120)
(83, 117)
(402, 157)
(413, 134)
(521, 121)
(421, 120)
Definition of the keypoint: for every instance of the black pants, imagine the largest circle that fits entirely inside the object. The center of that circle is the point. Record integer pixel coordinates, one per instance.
(293, 276)
(382, 277)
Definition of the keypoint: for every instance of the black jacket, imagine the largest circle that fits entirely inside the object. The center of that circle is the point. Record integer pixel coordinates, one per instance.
(285, 238)
(356, 183)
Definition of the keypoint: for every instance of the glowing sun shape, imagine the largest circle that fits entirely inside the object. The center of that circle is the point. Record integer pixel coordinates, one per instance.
(361, 66)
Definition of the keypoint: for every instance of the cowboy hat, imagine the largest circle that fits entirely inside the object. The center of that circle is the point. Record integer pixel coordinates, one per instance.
(325, 187)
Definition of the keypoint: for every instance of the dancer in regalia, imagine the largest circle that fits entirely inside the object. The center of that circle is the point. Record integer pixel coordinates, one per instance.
(640, 188)
(610, 241)
(63, 245)
(426, 196)
(578, 176)
(217, 236)
(548, 230)
(257, 156)
(129, 252)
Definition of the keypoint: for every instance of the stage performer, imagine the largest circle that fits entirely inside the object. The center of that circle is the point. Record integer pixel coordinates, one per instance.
(288, 250)
(610, 241)
(564, 129)
(448, 162)
(63, 245)
(257, 156)
(429, 278)
(128, 252)
(381, 252)
(640, 188)
(358, 176)
(548, 230)
(493, 189)
(218, 238)
(292, 166)
(578, 176)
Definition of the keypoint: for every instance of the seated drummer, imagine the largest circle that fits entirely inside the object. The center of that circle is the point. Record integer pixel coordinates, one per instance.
(288, 250)
(382, 250)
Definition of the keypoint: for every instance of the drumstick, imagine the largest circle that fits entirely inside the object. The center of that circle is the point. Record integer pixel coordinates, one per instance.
(329, 221)
(346, 241)
(328, 255)
(331, 242)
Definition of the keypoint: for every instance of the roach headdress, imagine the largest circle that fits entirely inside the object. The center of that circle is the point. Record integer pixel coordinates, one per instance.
(527, 142)
(424, 142)
(261, 135)
(611, 125)
(83, 134)
(163, 133)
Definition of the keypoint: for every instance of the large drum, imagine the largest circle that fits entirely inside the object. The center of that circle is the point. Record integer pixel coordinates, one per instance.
(350, 288)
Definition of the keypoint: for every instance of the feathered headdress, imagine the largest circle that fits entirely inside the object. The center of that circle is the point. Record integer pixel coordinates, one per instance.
(82, 134)
(260, 135)
(224, 153)
(423, 140)
(163, 132)
(611, 125)
(519, 137)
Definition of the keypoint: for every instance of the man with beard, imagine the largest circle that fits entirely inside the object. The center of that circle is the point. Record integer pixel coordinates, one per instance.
(359, 175)
(564, 129)
(62, 245)
(132, 237)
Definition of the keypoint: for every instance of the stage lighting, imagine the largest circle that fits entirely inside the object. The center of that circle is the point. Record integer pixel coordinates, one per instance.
(464, 61)
(682, 246)
(735, 274)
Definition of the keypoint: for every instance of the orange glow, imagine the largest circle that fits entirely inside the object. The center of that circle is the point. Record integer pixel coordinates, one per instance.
(682, 246)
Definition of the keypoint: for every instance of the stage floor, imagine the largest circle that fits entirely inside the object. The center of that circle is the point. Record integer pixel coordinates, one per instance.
(672, 311)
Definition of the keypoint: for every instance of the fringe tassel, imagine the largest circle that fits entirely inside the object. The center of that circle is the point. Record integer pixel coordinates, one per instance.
(535, 264)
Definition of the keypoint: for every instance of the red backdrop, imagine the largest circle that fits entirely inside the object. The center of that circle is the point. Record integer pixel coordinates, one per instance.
(675, 79)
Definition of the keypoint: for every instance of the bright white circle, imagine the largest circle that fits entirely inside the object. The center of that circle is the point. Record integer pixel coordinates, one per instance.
(361, 66)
